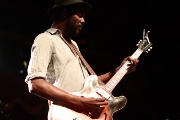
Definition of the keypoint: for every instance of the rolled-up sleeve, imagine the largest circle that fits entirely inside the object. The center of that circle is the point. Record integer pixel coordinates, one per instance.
(40, 57)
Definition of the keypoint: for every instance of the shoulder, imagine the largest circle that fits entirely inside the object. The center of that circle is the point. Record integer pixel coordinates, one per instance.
(46, 36)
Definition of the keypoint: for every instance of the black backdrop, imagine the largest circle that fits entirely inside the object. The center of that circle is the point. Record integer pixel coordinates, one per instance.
(109, 35)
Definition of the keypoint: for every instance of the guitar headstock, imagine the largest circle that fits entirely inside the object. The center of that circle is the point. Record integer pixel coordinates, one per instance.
(144, 45)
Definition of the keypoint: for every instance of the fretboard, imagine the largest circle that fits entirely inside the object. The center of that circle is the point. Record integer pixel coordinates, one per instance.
(111, 84)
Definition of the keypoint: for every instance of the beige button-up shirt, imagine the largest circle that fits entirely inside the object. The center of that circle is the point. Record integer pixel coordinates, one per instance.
(54, 61)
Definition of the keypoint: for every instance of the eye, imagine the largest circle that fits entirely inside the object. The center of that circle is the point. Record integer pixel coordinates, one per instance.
(81, 14)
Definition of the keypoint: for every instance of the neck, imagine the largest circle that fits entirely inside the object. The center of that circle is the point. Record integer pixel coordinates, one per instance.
(64, 32)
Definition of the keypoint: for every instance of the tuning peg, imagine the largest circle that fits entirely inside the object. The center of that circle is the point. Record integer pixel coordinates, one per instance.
(138, 42)
(149, 49)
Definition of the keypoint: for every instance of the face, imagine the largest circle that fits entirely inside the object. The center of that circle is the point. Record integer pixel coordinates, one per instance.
(75, 22)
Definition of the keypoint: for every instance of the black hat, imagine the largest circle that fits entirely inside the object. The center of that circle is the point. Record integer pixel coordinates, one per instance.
(63, 3)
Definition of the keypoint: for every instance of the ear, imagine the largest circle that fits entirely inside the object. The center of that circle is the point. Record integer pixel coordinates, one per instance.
(65, 13)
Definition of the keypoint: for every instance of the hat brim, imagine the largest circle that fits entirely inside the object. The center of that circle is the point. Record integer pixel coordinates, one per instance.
(87, 7)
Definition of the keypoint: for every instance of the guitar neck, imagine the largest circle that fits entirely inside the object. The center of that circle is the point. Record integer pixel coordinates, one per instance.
(111, 84)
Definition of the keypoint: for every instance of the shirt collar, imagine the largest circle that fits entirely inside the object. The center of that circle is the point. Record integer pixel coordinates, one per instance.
(53, 31)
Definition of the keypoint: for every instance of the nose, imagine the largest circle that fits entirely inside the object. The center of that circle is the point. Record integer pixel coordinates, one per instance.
(82, 20)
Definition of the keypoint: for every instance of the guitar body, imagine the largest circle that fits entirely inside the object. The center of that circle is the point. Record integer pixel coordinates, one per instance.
(91, 86)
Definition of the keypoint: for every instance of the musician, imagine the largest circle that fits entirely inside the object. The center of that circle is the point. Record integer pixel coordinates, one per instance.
(55, 69)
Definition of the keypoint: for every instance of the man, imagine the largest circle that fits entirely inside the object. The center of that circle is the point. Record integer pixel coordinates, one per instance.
(55, 69)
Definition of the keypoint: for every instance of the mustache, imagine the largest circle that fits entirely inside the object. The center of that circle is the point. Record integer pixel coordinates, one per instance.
(81, 25)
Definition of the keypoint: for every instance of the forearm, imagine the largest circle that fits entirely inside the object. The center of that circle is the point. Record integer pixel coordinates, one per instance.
(107, 76)
(47, 91)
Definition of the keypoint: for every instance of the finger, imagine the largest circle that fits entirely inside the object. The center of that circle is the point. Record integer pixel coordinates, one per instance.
(136, 61)
(129, 58)
(100, 99)
(99, 108)
(99, 104)
(133, 61)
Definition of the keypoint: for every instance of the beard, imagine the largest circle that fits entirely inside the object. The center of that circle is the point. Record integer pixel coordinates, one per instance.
(74, 29)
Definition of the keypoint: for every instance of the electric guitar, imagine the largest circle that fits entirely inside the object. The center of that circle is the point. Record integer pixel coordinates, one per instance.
(94, 88)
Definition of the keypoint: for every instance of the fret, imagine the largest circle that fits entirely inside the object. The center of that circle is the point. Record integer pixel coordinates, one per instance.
(137, 53)
(107, 89)
(114, 81)
(111, 84)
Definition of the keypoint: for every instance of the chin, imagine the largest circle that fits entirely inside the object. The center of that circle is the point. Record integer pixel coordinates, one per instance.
(76, 34)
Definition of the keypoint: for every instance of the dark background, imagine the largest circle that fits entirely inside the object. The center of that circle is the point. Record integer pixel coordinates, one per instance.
(109, 35)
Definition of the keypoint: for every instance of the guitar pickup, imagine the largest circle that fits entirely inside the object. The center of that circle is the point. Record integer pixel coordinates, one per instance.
(103, 93)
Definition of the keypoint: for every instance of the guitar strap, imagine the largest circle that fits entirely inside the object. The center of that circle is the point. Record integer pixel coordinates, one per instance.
(83, 60)
(76, 51)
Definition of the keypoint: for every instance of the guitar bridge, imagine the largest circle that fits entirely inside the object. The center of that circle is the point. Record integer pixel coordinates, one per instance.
(103, 93)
